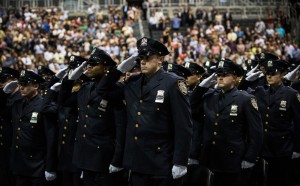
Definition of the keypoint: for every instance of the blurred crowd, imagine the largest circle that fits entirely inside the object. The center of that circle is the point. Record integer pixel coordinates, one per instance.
(30, 38)
(207, 35)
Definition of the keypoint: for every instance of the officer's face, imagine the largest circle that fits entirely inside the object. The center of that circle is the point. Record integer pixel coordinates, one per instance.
(150, 64)
(28, 90)
(226, 81)
(94, 71)
(275, 79)
(193, 80)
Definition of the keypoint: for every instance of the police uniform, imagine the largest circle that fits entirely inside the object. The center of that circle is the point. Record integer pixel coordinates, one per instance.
(6, 126)
(33, 148)
(280, 111)
(230, 130)
(159, 126)
(100, 119)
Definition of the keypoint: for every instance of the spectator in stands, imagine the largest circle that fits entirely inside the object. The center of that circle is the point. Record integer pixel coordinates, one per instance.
(176, 22)
(260, 26)
(280, 30)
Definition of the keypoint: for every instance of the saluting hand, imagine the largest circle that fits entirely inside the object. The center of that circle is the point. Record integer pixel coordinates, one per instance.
(50, 176)
(127, 64)
(56, 87)
(178, 171)
(113, 169)
(61, 73)
(291, 76)
(246, 164)
(76, 73)
(10, 87)
(208, 82)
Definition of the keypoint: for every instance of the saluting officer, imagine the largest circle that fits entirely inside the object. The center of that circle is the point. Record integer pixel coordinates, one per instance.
(8, 98)
(46, 74)
(279, 106)
(101, 118)
(196, 75)
(230, 128)
(33, 151)
(159, 127)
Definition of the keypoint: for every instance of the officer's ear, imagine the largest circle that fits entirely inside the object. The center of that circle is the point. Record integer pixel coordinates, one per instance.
(35, 86)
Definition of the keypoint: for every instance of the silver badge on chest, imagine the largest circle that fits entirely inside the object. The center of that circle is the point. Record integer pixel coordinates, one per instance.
(103, 105)
(160, 96)
(34, 117)
(233, 110)
(282, 105)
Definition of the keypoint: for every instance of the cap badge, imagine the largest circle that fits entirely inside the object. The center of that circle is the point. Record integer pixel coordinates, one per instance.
(262, 56)
(182, 87)
(72, 58)
(22, 73)
(270, 63)
(144, 42)
(221, 64)
(0, 69)
(93, 51)
(170, 67)
(187, 65)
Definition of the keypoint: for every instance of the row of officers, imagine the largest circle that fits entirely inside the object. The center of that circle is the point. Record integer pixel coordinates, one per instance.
(146, 122)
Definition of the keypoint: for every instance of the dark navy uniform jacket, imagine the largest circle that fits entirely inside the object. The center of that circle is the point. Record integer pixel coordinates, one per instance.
(159, 126)
(280, 113)
(34, 138)
(230, 130)
(101, 119)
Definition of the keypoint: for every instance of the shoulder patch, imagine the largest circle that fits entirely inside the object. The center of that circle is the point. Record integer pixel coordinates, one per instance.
(182, 87)
(298, 96)
(254, 103)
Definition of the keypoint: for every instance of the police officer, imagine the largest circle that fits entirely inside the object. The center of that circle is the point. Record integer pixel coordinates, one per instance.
(7, 75)
(176, 69)
(33, 151)
(159, 127)
(230, 128)
(196, 71)
(46, 74)
(100, 120)
(279, 107)
(67, 126)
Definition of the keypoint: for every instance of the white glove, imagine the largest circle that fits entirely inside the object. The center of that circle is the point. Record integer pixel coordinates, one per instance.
(61, 73)
(246, 164)
(50, 176)
(254, 76)
(113, 169)
(193, 162)
(252, 71)
(76, 73)
(81, 175)
(291, 76)
(56, 87)
(209, 81)
(10, 87)
(127, 64)
(295, 155)
(178, 171)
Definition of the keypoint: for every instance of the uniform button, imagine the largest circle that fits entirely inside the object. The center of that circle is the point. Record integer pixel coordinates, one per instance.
(0, 135)
(139, 113)
(215, 133)
(1, 127)
(20, 120)
(267, 115)
(266, 130)
(65, 127)
(63, 142)
(158, 148)
(17, 137)
(83, 135)
(268, 108)
(213, 142)
(204, 115)
(19, 128)
(141, 101)
(98, 147)
(266, 123)
(231, 152)
(86, 116)
(100, 116)
(217, 115)
(78, 108)
(32, 126)
(136, 125)
(216, 123)
(88, 106)
(136, 138)
(64, 135)
(1, 144)
(282, 137)
(84, 126)
(67, 120)
(30, 156)
(281, 114)
(17, 146)
(232, 121)
(157, 109)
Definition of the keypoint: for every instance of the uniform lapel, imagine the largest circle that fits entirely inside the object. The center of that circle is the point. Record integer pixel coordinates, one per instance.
(32, 105)
(137, 83)
(154, 82)
(277, 96)
(228, 99)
